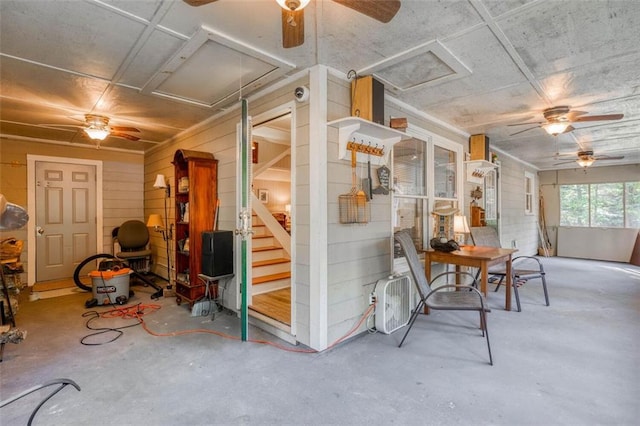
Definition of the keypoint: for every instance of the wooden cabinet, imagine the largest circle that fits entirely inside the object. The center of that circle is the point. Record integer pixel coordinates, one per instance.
(477, 216)
(196, 195)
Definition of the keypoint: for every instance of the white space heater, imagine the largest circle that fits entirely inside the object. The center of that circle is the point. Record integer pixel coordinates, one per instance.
(393, 308)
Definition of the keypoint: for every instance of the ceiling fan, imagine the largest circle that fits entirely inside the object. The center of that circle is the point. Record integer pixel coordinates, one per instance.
(293, 15)
(97, 127)
(560, 118)
(586, 158)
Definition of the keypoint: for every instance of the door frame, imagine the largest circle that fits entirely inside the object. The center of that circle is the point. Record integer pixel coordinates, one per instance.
(31, 205)
(287, 107)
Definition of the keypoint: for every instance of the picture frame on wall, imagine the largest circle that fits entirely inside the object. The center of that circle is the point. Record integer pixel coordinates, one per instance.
(263, 195)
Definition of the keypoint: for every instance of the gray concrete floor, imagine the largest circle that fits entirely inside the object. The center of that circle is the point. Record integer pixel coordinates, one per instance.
(572, 363)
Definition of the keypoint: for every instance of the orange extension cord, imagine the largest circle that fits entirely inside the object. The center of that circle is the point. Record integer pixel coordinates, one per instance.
(138, 311)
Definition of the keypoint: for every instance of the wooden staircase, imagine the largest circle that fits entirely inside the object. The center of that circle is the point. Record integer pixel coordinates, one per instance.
(271, 267)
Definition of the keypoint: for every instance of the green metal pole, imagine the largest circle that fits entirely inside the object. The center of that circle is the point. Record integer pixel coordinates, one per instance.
(244, 157)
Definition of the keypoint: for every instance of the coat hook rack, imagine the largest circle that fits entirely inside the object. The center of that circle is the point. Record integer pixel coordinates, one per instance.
(365, 148)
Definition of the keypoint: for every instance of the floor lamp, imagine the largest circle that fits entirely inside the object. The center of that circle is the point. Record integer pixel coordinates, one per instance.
(155, 221)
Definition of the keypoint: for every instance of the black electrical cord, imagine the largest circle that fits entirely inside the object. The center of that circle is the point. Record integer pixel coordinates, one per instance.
(103, 330)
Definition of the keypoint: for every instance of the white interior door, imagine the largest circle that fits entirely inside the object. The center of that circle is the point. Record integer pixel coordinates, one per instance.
(65, 197)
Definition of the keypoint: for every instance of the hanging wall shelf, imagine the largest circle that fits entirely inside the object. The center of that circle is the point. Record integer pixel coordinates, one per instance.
(478, 169)
(365, 136)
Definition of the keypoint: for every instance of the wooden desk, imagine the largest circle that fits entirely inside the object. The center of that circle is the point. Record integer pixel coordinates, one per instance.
(477, 257)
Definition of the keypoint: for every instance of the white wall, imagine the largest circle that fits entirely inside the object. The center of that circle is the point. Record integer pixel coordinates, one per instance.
(582, 242)
(516, 226)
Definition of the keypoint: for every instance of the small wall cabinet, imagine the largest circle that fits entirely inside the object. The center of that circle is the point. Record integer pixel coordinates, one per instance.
(196, 196)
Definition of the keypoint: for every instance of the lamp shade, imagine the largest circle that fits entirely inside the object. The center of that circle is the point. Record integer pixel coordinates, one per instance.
(460, 225)
(160, 182)
(293, 4)
(556, 128)
(585, 161)
(155, 221)
(97, 133)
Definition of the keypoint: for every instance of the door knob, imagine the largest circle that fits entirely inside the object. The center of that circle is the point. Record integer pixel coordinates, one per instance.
(39, 230)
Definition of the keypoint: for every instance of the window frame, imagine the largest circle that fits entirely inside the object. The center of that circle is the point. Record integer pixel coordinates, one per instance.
(430, 140)
(529, 185)
(589, 205)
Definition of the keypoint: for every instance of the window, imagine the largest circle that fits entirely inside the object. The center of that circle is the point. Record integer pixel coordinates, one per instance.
(426, 178)
(610, 205)
(632, 204)
(445, 167)
(528, 193)
(409, 186)
(491, 197)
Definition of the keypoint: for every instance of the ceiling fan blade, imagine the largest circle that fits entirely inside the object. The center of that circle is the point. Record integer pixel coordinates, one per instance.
(525, 130)
(198, 2)
(565, 162)
(599, 117)
(292, 28)
(573, 115)
(530, 122)
(124, 136)
(124, 129)
(606, 157)
(380, 10)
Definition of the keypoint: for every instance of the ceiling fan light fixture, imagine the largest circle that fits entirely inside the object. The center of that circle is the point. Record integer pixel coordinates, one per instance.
(586, 161)
(293, 4)
(97, 133)
(556, 128)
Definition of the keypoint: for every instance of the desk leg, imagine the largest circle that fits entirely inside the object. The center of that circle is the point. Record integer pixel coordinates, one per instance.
(507, 303)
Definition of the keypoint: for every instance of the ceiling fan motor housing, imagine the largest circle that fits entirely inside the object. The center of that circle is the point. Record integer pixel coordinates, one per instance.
(96, 121)
(558, 113)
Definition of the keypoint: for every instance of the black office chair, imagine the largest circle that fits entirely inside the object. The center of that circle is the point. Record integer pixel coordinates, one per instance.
(133, 238)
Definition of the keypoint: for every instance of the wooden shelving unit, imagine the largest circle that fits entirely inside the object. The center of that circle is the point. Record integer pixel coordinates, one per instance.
(196, 193)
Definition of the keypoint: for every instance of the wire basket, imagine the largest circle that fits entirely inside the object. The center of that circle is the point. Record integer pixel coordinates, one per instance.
(353, 206)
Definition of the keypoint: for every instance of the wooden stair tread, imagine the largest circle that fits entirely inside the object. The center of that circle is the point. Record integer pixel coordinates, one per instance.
(266, 248)
(273, 277)
(257, 237)
(270, 262)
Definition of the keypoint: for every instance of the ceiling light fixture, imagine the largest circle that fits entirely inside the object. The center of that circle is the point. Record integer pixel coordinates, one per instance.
(585, 161)
(97, 133)
(293, 4)
(97, 126)
(555, 128)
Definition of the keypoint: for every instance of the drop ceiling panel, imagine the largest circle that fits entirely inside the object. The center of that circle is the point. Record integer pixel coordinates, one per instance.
(157, 112)
(212, 69)
(353, 41)
(479, 112)
(38, 85)
(143, 9)
(600, 81)
(426, 65)
(157, 50)
(500, 7)
(213, 73)
(555, 36)
(71, 35)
